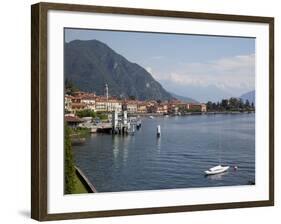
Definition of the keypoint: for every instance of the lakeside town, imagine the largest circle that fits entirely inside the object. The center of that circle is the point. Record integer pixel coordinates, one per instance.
(80, 101)
(82, 107)
(79, 104)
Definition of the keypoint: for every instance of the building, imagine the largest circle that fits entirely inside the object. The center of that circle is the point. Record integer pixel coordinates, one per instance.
(142, 107)
(151, 106)
(89, 100)
(78, 107)
(104, 104)
(83, 100)
(77, 104)
(131, 106)
(79, 93)
(76, 99)
(72, 121)
(162, 108)
(68, 103)
(198, 107)
(203, 107)
(114, 105)
(101, 104)
(173, 106)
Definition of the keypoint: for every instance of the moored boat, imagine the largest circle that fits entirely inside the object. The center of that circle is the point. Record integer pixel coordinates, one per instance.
(216, 170)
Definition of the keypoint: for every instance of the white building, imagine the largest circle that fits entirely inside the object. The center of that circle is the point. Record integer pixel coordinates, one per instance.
(89, 101)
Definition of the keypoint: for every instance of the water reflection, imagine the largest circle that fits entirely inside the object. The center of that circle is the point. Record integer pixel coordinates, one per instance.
(120, 148)
(218, 176)
(158, 144)
(126, 140)
(115, 146)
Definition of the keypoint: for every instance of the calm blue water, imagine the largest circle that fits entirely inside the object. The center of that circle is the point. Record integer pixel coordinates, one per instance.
(188, 146)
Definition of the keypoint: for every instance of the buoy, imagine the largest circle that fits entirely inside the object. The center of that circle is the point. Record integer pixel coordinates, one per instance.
(158, 131)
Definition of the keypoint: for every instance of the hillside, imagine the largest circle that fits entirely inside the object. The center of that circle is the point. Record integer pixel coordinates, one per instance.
(249, 96)
(184, 99)
(92, 64)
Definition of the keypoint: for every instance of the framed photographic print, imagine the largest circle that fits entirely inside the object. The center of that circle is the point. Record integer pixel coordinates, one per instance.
(140, 111)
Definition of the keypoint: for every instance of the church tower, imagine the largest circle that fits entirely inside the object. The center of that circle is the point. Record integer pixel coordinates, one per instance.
(106, 91)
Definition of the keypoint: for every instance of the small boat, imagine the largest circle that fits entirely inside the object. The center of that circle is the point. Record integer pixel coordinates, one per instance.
(151, 117)
(216, 170)
(130, 129)
(138, 123)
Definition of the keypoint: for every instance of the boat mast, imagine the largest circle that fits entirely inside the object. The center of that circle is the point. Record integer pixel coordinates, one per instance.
(220, 152)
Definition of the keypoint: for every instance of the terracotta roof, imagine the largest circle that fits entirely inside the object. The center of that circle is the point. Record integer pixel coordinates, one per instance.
(78, 104)
(68, 96)
(88, 97)
(101, 99)
(72, 119)
(130, 102)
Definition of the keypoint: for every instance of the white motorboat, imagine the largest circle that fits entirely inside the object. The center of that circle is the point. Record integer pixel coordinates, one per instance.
(216, 170)
(151, 117)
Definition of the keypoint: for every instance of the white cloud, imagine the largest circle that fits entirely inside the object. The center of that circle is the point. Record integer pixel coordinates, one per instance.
(233, 73)
(149, 69)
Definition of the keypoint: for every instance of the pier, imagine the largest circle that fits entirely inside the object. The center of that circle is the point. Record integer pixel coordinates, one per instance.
(121, 124)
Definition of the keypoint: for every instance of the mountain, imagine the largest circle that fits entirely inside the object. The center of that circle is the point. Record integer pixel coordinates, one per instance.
(91, 64)
(249, 96)
(184, 99)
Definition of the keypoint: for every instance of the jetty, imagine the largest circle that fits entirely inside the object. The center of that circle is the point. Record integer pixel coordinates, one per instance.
(118, 123)
(121, 124)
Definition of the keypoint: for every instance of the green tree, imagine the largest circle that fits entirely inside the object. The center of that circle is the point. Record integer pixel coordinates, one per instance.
(69, 168)
(247, 104)
(102, 116)
(70, 88)
(86, 113)
(233, 103)
(241, 104)
(253, 105)
(224, 104)
(132, 97)
(218, 106)
(209, 106)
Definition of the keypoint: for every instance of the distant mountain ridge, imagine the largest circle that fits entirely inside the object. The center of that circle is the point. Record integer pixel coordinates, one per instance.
(184, 99)
(249, 96)
(91, 64)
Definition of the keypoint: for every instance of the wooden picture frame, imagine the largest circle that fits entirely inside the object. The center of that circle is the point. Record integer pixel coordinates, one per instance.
(39, 109)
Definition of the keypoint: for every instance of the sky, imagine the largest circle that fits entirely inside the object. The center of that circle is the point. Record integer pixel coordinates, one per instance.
(200, 67)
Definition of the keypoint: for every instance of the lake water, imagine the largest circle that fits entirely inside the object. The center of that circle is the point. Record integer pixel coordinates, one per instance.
(188, 146)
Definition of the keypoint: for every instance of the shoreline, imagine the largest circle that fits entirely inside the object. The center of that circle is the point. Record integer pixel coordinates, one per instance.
(189, 113)
(85, 181)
